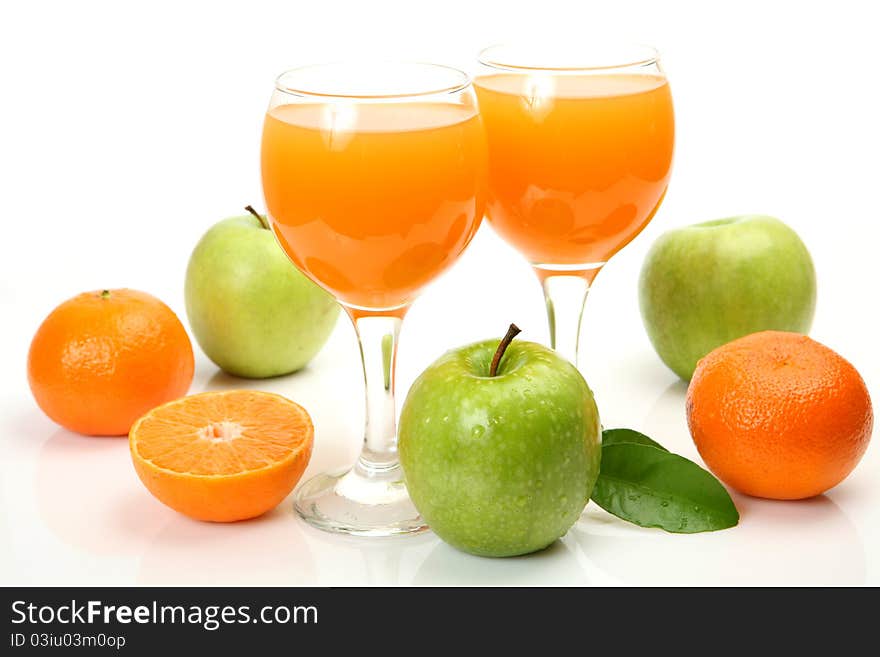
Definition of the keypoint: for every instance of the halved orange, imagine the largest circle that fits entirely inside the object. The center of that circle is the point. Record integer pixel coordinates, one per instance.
(222, 456)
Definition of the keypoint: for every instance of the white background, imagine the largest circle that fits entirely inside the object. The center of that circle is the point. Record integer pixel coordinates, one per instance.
(128, 129)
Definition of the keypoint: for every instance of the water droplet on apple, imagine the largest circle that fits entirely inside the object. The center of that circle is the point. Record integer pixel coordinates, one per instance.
(478, 431)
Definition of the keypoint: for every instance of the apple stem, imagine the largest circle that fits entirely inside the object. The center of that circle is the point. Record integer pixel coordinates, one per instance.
(263, 222)
(512, 332)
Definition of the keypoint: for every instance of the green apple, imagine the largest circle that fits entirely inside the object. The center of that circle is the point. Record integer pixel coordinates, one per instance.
(705, 285)
(500, 465)
(252, 312)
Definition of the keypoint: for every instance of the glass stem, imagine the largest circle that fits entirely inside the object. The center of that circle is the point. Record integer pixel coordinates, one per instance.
(377, 337)
(565, 295)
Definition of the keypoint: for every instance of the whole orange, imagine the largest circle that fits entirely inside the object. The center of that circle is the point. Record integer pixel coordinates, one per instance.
(102, 359)
(778, 415)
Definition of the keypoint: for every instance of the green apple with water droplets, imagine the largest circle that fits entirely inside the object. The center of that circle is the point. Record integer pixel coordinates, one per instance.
(500, 463)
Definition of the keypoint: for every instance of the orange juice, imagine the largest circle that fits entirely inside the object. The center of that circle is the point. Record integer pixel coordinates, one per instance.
(374, 200)
(578, 164)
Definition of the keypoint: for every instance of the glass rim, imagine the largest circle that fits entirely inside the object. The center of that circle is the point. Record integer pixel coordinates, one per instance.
(464, 80)
(648, 56)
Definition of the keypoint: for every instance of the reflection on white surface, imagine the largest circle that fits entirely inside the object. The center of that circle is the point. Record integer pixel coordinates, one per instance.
(810, 542)
(267, 551)
(361, 561)
(557, 565)
(89, 496)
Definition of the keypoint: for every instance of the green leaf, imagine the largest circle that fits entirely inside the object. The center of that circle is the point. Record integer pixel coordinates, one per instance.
(651, 487)
(629, 436)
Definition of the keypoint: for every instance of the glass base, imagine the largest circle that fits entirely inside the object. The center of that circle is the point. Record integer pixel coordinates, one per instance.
(363, 501)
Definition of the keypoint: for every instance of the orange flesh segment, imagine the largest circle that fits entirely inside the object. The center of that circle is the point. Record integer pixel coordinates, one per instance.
(222, 433)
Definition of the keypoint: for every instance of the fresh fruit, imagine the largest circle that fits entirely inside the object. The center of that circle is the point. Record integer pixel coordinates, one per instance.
(705, 285)
(500, 454)
(222, 456)
(102, 359)
(779, 415)
(253, 313)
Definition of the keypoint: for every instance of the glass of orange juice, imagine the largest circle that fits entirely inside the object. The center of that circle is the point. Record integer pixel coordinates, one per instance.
(580, 150)
(374, 178)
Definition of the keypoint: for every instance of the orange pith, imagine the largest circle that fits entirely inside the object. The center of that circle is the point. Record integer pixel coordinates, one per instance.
(779, 415)
(222, 456)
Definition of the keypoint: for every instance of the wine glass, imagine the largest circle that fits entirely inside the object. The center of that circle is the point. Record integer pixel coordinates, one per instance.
(580, 150)
(374, 177)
